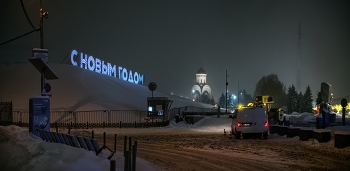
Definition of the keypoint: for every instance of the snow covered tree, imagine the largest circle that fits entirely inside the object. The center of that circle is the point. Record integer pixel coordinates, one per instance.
(307, 101)
(212, 101)
(229, 102)
(222, 101)
(272, 86)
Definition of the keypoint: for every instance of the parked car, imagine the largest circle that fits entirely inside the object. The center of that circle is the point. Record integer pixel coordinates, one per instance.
(249, 120)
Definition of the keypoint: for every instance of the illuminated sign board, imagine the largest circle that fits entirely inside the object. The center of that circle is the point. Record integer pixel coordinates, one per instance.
(95, 64)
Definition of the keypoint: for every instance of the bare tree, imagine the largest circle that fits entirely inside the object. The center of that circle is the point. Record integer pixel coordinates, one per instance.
(272, 86)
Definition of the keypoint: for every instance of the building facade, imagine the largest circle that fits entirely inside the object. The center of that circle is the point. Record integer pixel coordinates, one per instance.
(201, 92)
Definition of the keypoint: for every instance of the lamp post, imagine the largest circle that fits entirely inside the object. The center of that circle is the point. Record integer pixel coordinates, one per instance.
(41, 27)
(238, 95)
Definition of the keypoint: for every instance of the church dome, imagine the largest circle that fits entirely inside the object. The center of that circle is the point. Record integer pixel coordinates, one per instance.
(201, 71)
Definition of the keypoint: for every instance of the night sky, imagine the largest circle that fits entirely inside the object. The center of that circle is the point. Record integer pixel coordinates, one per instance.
(168, 41)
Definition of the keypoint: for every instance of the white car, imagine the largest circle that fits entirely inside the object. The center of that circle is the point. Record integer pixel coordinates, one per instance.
(249, 120)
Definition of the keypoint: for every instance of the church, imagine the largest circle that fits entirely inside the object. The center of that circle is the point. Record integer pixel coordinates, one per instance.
(201, 92)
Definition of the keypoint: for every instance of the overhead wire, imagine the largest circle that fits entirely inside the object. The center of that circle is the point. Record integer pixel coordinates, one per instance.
(35, 29)
(65, 59)
(18, 37)
(25, 13)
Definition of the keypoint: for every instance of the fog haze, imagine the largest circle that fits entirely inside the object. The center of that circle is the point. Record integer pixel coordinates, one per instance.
(168, 41)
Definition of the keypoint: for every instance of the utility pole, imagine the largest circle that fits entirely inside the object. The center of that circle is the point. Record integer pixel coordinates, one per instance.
(238, 95)
(299, 60)
(41, 27)
(226, 91)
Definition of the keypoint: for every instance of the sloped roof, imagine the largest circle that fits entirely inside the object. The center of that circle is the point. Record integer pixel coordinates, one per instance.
(201, 71)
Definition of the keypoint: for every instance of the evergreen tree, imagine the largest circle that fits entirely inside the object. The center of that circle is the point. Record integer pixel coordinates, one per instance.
(222, 101)
(300, 102)
(292, 98)
(229, 101)
(319, 98)
(212, 101)
(272, 86)
(307, 101)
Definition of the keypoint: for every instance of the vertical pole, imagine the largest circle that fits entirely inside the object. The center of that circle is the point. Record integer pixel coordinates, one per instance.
(343, 116)
(56, 126)
(238, 96)
(152, 108)
(41, 27)
(134, 156)
(129, 143)
(127, 161)
(42, 82)
(112, 165)
(115, 143)
(125, 139)
(104, 139)
(226, 91)
(92, 134)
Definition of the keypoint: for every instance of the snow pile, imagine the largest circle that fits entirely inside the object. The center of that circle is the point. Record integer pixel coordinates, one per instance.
(207, 124)
(20, 151)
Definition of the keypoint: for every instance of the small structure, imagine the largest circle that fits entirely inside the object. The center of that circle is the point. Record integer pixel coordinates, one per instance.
(158, 108)
(341, 139)
(322, 135)
(293, 132)
(282, 130)
(306, 133)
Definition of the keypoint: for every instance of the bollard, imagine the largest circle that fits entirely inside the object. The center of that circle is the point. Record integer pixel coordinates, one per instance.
(104, 139)
(135, 124)
(104, 125)
(115, 142)
(127, 161)
(92, 134)
(56, 126)
(125, 145)
(87, 125)
(134, 148)
(120, 124)
(112, 166)
(68, 129)
(129, 143)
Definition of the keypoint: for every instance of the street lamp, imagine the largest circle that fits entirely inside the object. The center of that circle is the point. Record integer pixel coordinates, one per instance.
(240, 95)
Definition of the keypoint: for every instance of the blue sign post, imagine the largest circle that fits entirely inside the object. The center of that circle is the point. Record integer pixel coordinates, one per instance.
(39, 114)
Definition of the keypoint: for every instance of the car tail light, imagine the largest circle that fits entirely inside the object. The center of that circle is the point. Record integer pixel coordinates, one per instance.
(239, 124)
(266, 124)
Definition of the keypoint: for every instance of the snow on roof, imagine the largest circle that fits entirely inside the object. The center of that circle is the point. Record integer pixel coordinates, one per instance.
(79, 90)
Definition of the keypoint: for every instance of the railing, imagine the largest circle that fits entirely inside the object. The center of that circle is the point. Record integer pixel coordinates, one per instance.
(109, 118)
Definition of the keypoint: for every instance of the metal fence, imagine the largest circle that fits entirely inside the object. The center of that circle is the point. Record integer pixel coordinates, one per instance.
(109, 118)
(78, 119)
(5, 112)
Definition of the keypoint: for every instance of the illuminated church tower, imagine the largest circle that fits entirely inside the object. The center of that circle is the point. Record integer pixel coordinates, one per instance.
(201, 92)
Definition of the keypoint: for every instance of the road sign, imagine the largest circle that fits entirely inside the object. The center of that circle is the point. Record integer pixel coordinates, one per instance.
(344, 102)
(152, 86)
